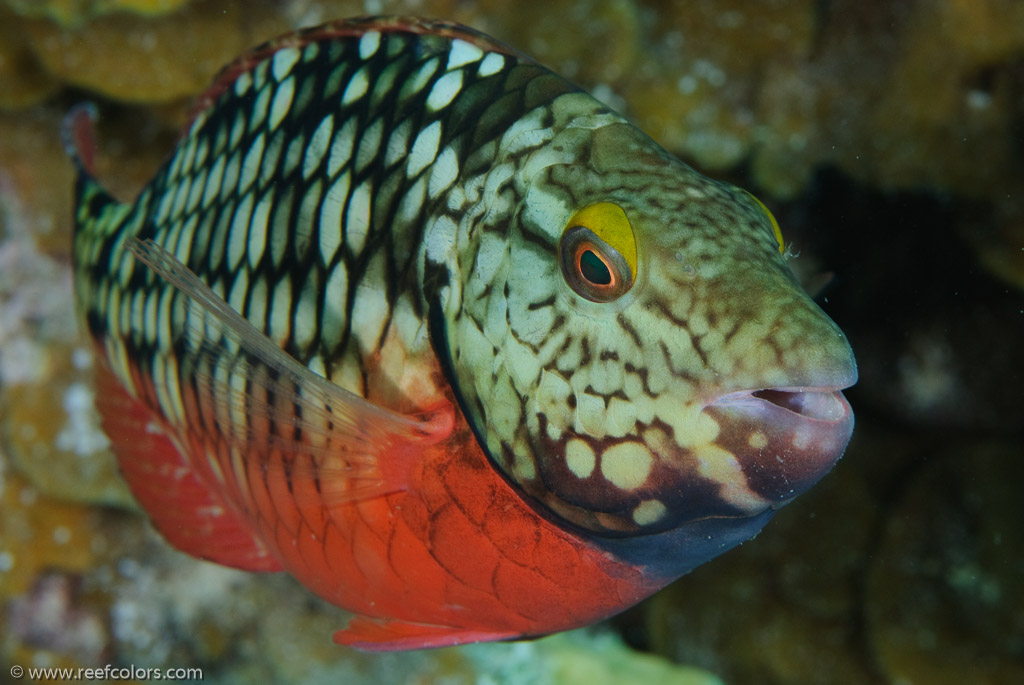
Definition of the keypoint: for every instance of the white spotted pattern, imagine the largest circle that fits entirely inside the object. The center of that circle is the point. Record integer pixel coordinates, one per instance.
(626, 464)
(444, 172)
(356, 87)
(462, 53)
(491, 64)
(251, 164)
(369, 145)
(341, 147)
(331, 219)
(368, 44)
(318, 143)
(283, 61)
(580, 458)
(357, 218)
(281, 103)
(444, 90)
(424, 149)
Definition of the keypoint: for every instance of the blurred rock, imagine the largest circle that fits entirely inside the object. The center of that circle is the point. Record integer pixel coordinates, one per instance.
(944, 602)
(146, 64)
(996, 232)
(50, 617)
(72, 12)
(25, 83)
(697, 87)
(48, 426)
(784, 608)
(937, 340)
(52, 435)
(921, 93)
(591, 42)
(38, 533)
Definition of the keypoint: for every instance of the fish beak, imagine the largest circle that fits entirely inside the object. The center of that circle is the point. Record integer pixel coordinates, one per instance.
(785, 439)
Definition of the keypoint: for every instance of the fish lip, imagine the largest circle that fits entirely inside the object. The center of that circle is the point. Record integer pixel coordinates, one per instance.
(784, 439)
(813, 403)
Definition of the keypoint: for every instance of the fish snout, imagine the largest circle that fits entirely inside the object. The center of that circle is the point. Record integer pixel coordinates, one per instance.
(785, 439)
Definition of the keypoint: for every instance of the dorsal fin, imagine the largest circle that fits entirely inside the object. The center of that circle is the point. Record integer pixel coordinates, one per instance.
(346, 28)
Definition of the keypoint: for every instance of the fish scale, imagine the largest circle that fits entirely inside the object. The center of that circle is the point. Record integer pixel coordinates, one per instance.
(417, 320)
(248, 215)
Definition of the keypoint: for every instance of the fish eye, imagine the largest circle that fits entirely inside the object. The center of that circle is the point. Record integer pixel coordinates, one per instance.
(598, 252)
(774, 223)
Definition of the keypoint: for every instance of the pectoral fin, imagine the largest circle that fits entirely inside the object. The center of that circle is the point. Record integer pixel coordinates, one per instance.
(259, 403)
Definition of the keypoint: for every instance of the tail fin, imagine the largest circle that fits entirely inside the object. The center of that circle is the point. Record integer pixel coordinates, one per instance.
(78, 134)
(98, 215)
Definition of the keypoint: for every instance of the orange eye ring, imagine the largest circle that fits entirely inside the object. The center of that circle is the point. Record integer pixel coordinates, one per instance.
(593, 269)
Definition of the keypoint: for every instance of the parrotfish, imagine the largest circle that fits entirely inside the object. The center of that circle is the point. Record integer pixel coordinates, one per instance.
(416, 320)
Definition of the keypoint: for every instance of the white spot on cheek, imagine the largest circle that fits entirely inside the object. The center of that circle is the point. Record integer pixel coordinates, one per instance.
(721, 466)
(579, 457)
(758, 440)
(802, 439)
(648, 512)
(718, 464)
(626, 465)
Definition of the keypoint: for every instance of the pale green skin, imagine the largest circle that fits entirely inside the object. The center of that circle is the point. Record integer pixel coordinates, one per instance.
(714, 309)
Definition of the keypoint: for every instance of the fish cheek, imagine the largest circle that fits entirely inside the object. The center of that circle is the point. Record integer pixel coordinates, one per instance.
(621, 487)
(780, 460)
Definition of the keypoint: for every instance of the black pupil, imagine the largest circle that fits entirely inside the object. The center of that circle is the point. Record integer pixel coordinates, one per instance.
(594, 269)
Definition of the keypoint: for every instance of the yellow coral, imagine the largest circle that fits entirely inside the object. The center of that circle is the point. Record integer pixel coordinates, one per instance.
(72, 12)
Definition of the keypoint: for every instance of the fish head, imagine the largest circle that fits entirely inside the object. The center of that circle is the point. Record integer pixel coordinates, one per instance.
(638, 357)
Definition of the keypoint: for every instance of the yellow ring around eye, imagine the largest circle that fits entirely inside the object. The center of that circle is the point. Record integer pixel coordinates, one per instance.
(609, 222)
(775, 224)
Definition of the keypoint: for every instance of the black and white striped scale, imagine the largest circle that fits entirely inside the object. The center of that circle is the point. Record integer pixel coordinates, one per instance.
(413, 211)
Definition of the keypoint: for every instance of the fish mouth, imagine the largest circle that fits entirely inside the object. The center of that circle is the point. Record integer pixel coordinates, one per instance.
(817, 404)
(784, 438)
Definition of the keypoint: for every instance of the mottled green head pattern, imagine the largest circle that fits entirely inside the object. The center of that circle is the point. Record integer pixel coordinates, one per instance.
(665, 402)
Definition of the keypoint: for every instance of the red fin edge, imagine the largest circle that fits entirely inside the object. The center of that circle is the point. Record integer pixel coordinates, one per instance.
(384, 635)
(346, 28)
(78, 134)
(181, 507)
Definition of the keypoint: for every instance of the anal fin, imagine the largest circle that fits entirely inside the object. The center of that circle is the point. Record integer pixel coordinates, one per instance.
(181, 507)
(386, 635)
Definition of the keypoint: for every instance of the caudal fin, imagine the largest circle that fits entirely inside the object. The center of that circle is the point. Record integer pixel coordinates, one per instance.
(78, 134)
(94, 206)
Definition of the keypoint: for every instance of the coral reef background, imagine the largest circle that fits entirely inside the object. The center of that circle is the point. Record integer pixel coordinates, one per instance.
(888, 138)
